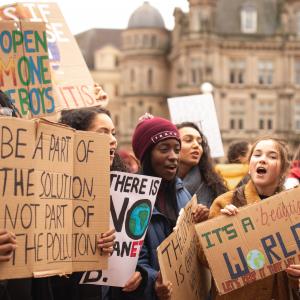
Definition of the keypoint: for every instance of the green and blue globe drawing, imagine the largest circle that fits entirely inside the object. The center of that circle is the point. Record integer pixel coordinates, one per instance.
(255, 259)
(138, 218)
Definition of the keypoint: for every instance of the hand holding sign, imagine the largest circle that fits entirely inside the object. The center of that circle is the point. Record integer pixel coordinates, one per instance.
(293, 270)
(7, 245)
(229, 210)
(133, 283)
(100, 95)
(163, 290)
(200, 213)
(106, 241)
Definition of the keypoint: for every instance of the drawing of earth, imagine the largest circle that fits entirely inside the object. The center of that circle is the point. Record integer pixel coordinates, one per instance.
(139, 219)
(255, 259)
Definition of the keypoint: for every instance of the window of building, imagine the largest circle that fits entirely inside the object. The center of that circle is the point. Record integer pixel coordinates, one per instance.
(237, 69)
(261, 124)
(297, 116)
(241, 124)
(132, 75)
(266, 114)
(136, 40)
(129, 40)
(298, 23)
(297, 124)
(153, 41)
(248, 18)
(297, 71)
(150, 77)
(196, 72)
(232, 123)
(146, 40)
(116, 61)
(265, 72)
(237, 114)
(270, 124)
(132, 116)
(150, 110)
(179, 76)
(116, 90)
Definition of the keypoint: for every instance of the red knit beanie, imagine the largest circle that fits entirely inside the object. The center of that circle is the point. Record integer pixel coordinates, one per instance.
(151, 131)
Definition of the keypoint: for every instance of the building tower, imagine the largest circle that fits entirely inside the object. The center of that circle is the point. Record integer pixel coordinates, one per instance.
(144, 68)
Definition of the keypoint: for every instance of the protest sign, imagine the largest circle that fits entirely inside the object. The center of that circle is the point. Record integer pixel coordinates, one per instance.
(54, 197)
(24, 67)
(261, 240)
(199, 109)
(178, 259)
(70, 77)
(132, 199)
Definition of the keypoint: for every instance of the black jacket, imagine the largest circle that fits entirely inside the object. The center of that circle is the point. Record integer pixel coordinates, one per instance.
(26, 289)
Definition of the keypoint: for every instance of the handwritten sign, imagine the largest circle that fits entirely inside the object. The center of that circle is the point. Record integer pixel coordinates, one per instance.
(199, 109)
(69, 76)
(261, 240)
(132, 199)
(54, 197)
(178, 259)
(24, 67)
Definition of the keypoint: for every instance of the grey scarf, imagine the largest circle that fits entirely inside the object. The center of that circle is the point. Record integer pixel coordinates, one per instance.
(195, 185)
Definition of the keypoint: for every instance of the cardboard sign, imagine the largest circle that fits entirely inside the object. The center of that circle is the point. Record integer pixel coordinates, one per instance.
(132, 198)
(24, 67)
(199, 109)
(70, 77)
(54, 197)
(261, 240)
(178, 259)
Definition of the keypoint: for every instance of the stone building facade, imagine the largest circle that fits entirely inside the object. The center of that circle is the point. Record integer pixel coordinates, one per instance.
(248, 49)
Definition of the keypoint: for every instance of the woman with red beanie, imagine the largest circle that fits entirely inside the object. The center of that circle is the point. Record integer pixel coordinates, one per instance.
(156, 143)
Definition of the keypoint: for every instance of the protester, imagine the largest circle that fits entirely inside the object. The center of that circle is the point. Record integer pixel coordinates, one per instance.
(95, 119)
(156, 143)
(236, 169)
(268, 166)
(25, 288)
(130, 161)
(196, 167)
(293, 178)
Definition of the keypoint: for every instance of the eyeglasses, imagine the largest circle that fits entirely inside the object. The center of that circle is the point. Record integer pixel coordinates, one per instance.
(6, 111)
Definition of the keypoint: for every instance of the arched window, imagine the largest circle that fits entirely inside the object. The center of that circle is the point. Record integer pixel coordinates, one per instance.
(248, 18)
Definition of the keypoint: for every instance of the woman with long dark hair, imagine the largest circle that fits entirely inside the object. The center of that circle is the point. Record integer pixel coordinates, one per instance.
(196, 167)
(96, 119)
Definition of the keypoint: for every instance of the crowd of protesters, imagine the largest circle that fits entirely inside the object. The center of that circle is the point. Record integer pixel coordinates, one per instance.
(180, 156)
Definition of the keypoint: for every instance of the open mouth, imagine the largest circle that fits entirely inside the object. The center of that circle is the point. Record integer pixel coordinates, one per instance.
(261, 170)
(195, 153)
(112, 152)
(172, 167)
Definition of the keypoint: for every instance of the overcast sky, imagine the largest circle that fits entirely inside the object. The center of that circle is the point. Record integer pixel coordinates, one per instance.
(81, 15)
